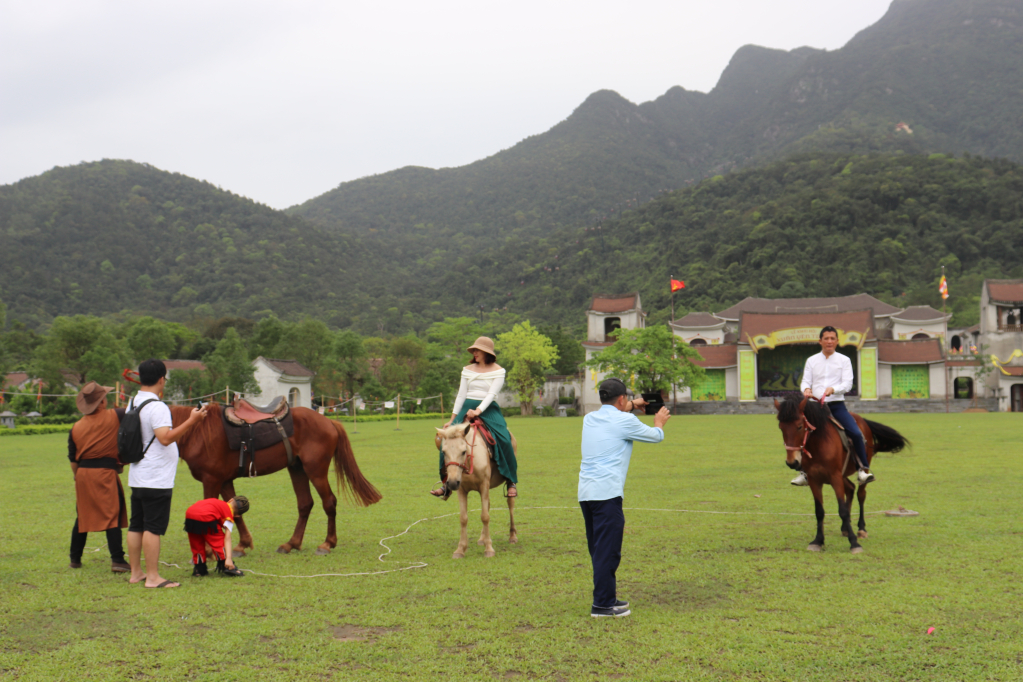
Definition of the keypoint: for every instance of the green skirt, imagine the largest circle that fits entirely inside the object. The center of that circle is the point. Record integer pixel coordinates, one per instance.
(504, 454)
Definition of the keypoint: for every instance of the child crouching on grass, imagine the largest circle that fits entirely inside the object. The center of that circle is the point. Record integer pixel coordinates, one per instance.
(210, 521)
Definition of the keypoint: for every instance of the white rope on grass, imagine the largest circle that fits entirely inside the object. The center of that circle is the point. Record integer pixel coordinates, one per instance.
(422, 564)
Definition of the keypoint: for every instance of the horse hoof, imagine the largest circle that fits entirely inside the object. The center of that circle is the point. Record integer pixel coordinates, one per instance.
(489, 554)
(862, 535)
(514, 540)
(320, 551)
(458, 555)
(856, 550)
(237, 553)
(284, 549)
(815, 548)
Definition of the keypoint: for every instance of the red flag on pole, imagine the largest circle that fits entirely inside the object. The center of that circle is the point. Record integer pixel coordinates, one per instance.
(676, 285)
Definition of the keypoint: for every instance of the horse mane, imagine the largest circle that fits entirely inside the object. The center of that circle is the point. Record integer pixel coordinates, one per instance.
(207, 429)
(788, 411)
(816, 414)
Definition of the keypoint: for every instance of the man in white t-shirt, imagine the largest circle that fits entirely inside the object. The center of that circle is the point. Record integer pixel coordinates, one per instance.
(152, 478)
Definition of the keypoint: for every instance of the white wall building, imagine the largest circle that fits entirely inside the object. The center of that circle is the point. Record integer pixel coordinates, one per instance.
(283, 377)
(607, 314)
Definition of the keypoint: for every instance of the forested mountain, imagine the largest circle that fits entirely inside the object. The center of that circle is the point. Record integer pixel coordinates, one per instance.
(113, 236)
(951, 70)
(116, 236)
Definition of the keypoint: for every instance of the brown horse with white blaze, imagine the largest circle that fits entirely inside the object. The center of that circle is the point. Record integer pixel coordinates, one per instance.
(316, 441)
(469, 468)
(813, 445)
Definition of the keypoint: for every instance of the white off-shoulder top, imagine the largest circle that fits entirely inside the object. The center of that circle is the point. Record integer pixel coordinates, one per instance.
(479, 386)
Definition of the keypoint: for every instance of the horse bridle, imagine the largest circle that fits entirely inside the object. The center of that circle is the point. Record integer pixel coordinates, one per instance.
(806, 435)
(469, 451)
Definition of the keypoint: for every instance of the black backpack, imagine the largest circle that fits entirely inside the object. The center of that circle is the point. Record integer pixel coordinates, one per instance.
(129, 436)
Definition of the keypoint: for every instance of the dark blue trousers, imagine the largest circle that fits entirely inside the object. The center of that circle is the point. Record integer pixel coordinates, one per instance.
(605, 527)
(841, 414)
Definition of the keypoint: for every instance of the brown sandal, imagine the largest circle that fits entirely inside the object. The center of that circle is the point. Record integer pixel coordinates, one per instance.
(512, 492)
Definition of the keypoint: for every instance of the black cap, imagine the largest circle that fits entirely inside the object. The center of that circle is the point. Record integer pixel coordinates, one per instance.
(610, 389)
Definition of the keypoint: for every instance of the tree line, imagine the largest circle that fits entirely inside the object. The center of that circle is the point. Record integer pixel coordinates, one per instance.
(81, 348)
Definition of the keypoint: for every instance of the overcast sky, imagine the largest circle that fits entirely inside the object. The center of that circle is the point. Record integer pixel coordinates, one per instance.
(282, 101)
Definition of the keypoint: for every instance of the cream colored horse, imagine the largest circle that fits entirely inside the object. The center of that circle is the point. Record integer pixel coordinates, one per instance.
(468, 465)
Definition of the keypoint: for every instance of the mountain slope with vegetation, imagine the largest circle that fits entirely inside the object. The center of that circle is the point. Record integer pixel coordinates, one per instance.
(951, 70)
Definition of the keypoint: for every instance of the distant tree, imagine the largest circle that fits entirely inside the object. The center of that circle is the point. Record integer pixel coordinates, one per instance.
(266, 336)
(83, 346)
(229, 365)
(532, 355)
(309, 342)
(350, 361)
(5, 359)
(405, 362)
(186, 384)
(649, 360)
(217, 328)
(150, 338)
(571, 354)
(455, 334)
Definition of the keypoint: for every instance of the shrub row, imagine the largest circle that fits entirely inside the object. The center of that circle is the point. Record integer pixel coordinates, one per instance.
(36, 429)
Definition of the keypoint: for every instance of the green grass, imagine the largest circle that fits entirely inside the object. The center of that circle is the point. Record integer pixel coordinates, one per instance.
(714, 596)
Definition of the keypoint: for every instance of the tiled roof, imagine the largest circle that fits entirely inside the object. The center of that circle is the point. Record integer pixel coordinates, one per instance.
(717, 356)
(920, 313)
(698, 320)
(183, 365)
(290, 367)
(910, 352)
(15, 378)
(619, 303)
(838, 304)
(753, 324)
(1005, 290)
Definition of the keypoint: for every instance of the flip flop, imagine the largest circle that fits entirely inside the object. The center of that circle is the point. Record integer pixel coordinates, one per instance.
(165, 584)
(233, 572)
(512, 492)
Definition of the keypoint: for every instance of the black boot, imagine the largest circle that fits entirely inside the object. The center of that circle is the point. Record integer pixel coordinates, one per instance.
(200, 570)
(222, 569)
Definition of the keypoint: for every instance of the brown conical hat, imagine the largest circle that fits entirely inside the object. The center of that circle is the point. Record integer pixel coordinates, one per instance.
(483, 343)
(91, 395)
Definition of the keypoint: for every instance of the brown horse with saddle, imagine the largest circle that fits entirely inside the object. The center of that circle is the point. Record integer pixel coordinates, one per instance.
(243, 440)
(815, 444)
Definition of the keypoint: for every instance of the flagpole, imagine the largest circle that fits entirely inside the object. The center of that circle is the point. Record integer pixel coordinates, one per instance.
(671, 328)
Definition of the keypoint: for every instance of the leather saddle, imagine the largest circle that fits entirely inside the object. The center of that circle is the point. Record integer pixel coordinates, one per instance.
(252, 427)
(242, 412)
(846, 443)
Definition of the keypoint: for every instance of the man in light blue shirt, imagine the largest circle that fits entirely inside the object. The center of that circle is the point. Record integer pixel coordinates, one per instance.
(608, 434)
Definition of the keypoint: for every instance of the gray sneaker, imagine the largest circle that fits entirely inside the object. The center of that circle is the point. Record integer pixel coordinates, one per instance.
(610, 611)
(800, 479)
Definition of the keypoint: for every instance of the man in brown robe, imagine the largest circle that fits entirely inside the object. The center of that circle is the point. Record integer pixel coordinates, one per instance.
(92, 449)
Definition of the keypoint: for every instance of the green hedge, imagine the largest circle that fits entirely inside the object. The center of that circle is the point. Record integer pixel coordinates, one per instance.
(391, 417)
(36, 430)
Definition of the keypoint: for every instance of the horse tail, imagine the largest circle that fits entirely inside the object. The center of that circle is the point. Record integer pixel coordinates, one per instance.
(350, 480)
(886, 439)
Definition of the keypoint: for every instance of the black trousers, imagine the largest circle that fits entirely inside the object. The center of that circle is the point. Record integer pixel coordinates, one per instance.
(113, 544)
(605, 527)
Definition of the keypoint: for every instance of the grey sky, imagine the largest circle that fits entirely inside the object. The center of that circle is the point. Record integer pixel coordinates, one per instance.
(281, 102)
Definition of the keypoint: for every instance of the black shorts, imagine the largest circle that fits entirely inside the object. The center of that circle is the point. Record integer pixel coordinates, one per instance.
(150, 510)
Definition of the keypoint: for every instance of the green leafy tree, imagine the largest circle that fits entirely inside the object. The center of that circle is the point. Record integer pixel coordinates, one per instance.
(85, 347)
(265, 338)
(531, 355)
(405, 362)
(309, 342)
(229, 365)
(150, 338)
(571, 354)
(5, 360)
(454, 334)
(350, 362)
(649, 360)
(186, 384)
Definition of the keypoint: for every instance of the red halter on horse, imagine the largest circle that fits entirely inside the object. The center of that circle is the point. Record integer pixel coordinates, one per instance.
(807, 430)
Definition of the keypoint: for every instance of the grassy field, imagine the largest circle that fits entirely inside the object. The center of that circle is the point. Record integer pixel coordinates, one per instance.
(714, 595)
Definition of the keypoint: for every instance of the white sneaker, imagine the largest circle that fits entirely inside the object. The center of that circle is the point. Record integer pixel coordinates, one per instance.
(800, 479)
(864, 476)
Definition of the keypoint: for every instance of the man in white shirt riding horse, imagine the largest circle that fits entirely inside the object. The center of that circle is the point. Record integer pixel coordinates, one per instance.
(829, 375)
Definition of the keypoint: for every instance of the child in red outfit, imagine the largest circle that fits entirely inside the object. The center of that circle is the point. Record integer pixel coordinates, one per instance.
(209, 522)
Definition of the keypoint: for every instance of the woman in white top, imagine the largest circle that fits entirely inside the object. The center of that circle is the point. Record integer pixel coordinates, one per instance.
(477, 398)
